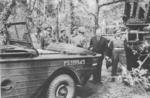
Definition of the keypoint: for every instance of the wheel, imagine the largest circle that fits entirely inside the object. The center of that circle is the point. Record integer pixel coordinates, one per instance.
(62, 86)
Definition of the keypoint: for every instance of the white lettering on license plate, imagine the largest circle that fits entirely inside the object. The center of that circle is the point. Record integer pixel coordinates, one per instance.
(74, 62)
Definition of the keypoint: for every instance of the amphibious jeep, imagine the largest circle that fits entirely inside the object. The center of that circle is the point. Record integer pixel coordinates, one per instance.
(27, 72)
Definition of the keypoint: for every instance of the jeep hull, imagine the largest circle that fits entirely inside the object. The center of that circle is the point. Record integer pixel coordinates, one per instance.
(28, 76)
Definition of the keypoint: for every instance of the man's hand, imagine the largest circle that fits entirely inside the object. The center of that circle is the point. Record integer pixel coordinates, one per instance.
(108, 59)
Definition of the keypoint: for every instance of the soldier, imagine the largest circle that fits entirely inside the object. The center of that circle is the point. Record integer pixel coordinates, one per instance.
(46, 37)
(63, 38)
(2, 39)
(79, 39)
(98, 44)
(36, 39)
(117, 52)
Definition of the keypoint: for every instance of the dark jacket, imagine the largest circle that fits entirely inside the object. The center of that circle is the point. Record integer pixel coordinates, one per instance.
(99, 46)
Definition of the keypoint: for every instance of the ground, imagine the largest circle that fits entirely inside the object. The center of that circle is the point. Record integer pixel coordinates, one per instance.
(110, 89)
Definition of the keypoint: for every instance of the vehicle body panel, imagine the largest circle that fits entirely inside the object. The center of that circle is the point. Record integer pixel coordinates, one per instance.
(28, 74)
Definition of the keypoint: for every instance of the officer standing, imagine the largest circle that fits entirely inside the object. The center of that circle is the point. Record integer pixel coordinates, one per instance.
(98, 44)
(79, 39)
(117, 52)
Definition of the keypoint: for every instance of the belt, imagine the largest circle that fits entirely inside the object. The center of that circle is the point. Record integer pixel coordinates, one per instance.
(118, 48)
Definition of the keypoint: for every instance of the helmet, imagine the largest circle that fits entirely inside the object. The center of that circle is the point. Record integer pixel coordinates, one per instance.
(82, 29)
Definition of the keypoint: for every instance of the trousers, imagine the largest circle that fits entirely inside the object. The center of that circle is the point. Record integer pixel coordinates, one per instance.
(116, 55)
(97, 73)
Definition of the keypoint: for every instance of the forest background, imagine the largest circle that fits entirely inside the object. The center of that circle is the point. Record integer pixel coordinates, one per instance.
(67, 15)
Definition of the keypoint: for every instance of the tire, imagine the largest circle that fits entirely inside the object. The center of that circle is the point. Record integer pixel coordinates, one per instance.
(62, 86)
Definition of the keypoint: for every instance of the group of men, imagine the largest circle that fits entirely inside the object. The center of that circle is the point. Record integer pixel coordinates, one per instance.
(78, 39)
(111, 50)
(43, 37)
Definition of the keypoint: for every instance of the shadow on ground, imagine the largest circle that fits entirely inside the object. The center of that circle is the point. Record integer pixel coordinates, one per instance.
(91, 90)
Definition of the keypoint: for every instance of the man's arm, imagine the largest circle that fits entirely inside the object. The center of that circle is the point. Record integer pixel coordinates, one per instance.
(108, 49)
(105, 46)
(91, 44)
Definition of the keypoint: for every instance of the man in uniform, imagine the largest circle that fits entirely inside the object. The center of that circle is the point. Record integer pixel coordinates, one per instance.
(46, 37)
(80, 40)
(117, 51)
(63, 37)
(2, 38)
(98, 44)
(36, 38)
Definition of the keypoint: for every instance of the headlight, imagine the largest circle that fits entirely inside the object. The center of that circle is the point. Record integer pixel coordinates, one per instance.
(95, 62)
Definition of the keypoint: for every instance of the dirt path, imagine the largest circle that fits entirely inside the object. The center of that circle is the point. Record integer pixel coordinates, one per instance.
(110, 89)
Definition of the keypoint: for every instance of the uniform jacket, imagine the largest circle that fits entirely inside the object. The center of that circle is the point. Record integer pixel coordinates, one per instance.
(99, 46)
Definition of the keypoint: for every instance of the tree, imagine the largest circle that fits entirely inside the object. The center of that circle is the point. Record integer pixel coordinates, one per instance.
(71, 16)
(98, 6)
(6, 13)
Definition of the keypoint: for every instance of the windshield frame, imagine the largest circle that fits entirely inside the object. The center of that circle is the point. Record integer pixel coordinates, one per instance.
(17, 42)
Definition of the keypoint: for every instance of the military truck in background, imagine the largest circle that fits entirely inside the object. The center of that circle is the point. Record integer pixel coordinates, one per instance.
(137, 19)
(27, 72)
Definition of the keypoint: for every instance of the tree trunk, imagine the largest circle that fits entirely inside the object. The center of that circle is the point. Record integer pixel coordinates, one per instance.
(57, 23)
(71, 16)
(97, 16)
(96, 24)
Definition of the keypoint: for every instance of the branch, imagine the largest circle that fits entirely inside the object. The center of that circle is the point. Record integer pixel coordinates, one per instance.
(84, 6)
(88, 12)
(109, 3)
(33, 5)
(7, 11)
(82, 2)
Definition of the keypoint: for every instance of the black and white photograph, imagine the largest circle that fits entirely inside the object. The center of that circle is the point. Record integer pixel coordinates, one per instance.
(74, 48)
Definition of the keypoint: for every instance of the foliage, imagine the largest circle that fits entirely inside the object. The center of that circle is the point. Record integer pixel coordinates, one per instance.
(63, 15)
(137, 77)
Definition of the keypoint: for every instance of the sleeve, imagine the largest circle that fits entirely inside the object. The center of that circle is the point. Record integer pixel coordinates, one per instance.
(91, 44)
(42, 42)
(105, 46)
(110, 45)
(105, 43)
(108, 48)
(84, 42)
